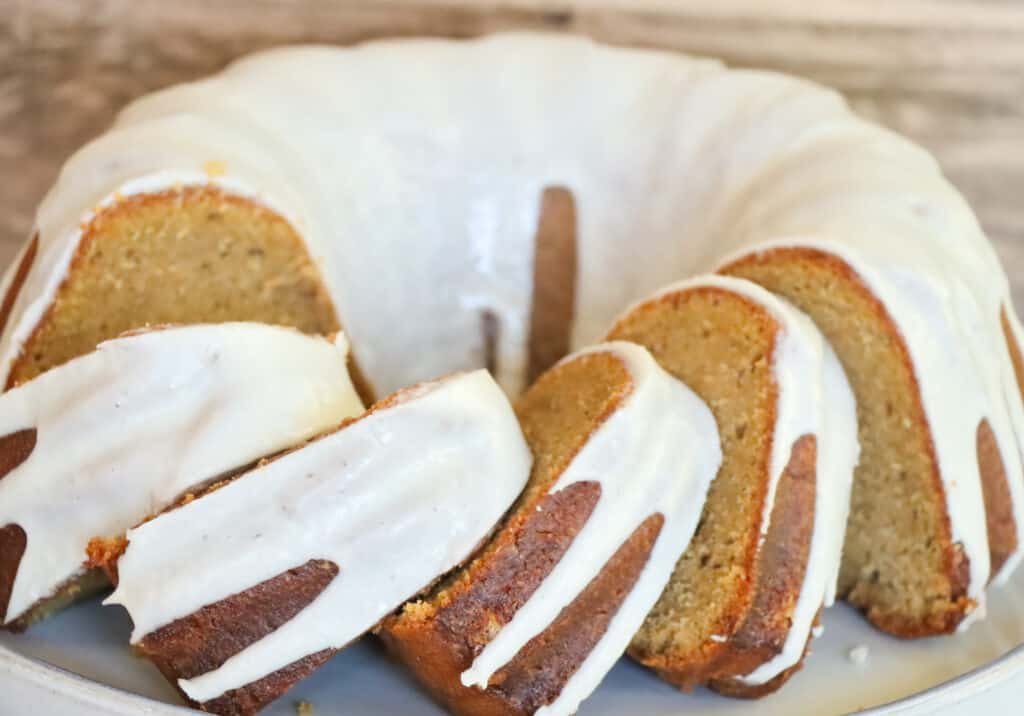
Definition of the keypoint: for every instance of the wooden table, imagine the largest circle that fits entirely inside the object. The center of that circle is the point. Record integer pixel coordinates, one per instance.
(948, 73)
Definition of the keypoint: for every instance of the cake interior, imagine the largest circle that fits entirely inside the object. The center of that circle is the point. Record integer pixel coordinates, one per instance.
(898, 564)
(557, 415)
(721, 346)
(439, 635)
(194, 255)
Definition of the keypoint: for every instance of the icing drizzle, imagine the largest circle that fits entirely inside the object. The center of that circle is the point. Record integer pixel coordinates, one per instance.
(125, 430)
(813, 398)
(733, 161)
(758, 160)
(652, 455)
(394, 498)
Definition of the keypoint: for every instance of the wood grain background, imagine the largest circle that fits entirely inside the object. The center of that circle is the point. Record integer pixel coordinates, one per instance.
(949, 73)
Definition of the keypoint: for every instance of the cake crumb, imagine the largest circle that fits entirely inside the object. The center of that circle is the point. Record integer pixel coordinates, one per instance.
(858, 654)
(817, 630)
(303, 708)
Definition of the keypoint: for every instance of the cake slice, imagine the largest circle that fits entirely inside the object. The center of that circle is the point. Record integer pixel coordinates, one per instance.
(95, 445)
(739, 610)
(190, 254)
(623, 455)
(239, 593)
(916, 557)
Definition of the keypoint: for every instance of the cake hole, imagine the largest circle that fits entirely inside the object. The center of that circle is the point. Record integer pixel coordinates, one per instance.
(554, 281)
(489, 329)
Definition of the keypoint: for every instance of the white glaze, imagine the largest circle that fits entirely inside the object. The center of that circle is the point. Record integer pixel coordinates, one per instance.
(394, 499)
(893, 218)
(652, 455)
(813, 399)
(425, 165)
(125, 430)
(1015, 408)
(674, 162)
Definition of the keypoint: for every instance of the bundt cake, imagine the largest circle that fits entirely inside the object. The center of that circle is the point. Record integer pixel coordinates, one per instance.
(93, 446)
(453, 209)
(739, 610)
(623, 456)
(240, 593)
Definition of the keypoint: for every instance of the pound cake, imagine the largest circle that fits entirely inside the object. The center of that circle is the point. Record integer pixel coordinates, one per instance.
(243, 591)
(483, 212)
(94, 446)
(919, 318)
(739, 610)
(623, 456)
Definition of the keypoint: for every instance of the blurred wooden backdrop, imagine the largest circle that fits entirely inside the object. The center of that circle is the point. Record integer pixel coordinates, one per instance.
(949, 73)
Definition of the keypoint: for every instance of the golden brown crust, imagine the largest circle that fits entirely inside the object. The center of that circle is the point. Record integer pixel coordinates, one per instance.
(1003, 536)
(776, 580)
(440, 647)
(780, 570)
(15, 448)
(20, 274)
(999, 518)
(545, 664)
(693, 333)
(554, 281)
(439, 637)
(204, 640)
(12, 546)
(944, 614)
(1015, 352)
(737, 689)
(524, 557)
(935, 623)
(249, 262)
(103, 552)
(252, 697)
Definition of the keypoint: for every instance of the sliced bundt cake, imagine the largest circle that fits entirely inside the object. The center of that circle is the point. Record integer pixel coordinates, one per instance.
(481, 212)
(623, 455)
(739, 609)
(94, 446)
(241, 592)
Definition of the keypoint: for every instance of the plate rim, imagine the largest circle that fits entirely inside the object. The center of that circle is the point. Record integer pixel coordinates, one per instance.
(116, 701)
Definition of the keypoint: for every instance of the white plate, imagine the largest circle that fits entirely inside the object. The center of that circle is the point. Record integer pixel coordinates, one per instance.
(910, 676)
